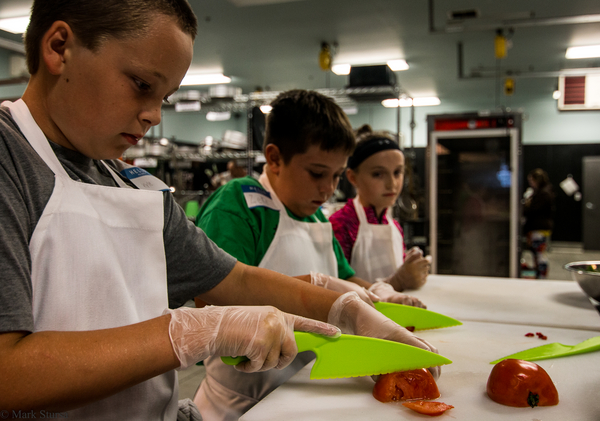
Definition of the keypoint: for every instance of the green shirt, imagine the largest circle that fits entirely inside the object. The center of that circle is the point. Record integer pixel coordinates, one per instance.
(247, 233)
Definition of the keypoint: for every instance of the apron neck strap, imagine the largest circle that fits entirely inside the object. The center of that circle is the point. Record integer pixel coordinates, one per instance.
(34, 135)
(362, 216)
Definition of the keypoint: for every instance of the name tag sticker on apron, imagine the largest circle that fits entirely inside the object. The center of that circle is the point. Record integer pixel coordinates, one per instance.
(257, 197)
(143, 179)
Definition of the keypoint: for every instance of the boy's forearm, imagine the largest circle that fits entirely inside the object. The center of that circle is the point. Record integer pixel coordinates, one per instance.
(249, 285)
(359, 282)
(59, 371)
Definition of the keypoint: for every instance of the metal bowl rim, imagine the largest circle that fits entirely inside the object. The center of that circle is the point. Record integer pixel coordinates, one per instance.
(569, 267)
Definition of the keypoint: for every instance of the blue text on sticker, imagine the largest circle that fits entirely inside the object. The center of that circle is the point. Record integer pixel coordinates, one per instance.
(142, 179)
(257, 197)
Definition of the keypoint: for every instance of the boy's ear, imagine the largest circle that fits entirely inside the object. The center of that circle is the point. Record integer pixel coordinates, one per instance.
(351, 176)
(55, 46)
(273, 158)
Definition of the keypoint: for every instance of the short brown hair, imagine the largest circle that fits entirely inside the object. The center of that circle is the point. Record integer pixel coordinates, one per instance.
(94, 21)
(300, 119)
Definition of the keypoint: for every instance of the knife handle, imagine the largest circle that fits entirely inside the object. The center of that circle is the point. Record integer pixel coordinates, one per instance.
(305, 341)
(233, 360)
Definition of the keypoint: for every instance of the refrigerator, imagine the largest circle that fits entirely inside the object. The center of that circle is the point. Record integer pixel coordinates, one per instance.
(474, 193)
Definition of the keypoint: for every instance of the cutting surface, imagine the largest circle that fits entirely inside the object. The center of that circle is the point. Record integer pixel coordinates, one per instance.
(462, 384)
(502, 300)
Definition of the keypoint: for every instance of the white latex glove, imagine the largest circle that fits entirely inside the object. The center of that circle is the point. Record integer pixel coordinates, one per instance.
(388, 294)
(263, 334)
(339, 285)
(412, 274)
(353, 316)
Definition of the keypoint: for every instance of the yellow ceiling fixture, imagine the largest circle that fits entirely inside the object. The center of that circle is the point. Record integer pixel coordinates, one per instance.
(325, 57)
(503, 42)
(509, 86)
(500, 46)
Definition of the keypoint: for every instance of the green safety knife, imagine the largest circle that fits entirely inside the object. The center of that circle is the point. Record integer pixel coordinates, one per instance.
(355, 356)
(419, 318)
(554, 350)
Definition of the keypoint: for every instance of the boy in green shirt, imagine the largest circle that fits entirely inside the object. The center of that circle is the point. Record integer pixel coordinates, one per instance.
(276, 223)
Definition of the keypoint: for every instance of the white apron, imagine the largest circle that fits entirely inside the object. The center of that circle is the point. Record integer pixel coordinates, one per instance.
(378, 250)
(98, 262)
(297, 249)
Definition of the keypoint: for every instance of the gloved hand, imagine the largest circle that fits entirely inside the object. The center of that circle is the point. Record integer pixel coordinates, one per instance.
(412, 274)
(339, 285)
(353, 316)
(388, 294)
(263, 334)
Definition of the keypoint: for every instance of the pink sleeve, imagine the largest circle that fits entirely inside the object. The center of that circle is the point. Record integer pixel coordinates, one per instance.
(345, 227)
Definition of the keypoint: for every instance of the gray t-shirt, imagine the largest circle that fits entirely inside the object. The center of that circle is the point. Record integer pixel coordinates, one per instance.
(194, 263)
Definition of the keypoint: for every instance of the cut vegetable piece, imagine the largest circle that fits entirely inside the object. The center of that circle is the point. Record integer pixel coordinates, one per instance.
(521, 383)
(428, 408)
(403, 385)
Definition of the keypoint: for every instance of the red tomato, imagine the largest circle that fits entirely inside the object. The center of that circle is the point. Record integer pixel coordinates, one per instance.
(428, 408)
(521, 383)
(402, 385)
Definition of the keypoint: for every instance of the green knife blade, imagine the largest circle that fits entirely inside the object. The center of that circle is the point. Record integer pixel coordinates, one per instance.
(420, 318)
(555, 350)
(356, 356)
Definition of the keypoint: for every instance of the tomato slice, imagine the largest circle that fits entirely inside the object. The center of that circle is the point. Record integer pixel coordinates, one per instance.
(428, 408)
(403, 385)
(521, 383)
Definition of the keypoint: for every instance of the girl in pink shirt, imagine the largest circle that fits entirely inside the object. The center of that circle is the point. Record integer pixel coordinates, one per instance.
(371, 239)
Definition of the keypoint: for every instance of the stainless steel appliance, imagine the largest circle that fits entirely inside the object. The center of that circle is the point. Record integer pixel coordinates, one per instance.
(474, 192)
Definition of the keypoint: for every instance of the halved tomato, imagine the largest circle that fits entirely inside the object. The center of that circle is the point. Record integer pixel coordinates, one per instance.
(403, 385)
(521, 383)
(428, 408)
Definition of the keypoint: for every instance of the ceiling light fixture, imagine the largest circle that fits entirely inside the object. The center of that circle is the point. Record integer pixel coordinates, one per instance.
(398, 65)
(588, 51)
(394, 65)
(350, 110)
(204, 79)
(16, 25)
(408, 102)
(341, 69)
(266, 109)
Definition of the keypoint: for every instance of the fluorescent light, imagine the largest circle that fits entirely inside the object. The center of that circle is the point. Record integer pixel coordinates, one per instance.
(556, 94)
(266, 109)
(205, 79)
(398, 65)
(218, 116)
(344, 69)
(588, 51)
(426, 101)
(350, 110)
(408, 102)
(16, 25)
(341, 69)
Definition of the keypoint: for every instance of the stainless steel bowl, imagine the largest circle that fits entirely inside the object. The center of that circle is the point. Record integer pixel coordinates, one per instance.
(587, 275)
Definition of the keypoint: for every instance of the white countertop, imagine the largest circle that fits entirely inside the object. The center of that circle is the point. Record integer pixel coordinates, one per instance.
(496, 313)
(506, 300)
(462, 384)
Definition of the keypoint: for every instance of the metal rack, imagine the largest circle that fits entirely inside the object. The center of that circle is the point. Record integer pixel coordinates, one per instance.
(176, 158)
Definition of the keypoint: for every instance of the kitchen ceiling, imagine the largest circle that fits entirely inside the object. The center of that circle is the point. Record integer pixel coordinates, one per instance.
(274, 44)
